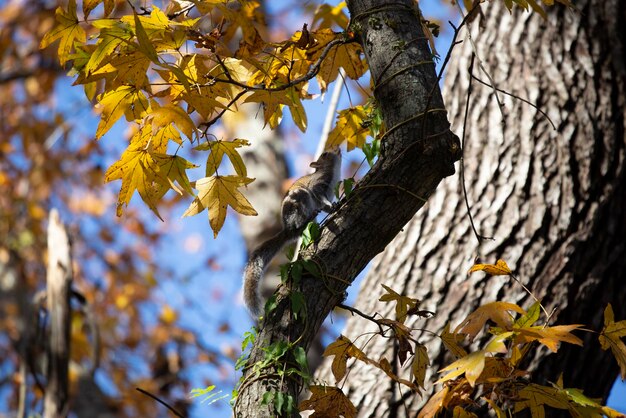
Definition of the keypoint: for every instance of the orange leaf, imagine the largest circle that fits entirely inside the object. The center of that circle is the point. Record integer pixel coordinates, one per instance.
(328, 401)
(343, 349)
(497, 312)
(498, 269)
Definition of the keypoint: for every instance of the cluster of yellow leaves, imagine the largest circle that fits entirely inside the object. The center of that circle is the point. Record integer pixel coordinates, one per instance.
(495, 367)
(343, 350)
(162, 71)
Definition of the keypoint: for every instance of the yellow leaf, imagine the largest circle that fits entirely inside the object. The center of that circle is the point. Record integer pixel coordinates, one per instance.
(499, 269)
(537, 8)
(154, 24)
(419, 365)
(403, 303)
(530, 317)
(125, 100)
(328, 15)
(536, 396)
(129, 68)
(68, 31)
(112, 35)
(385, 366)
(148, 172)
(166, 115)
(451, 342)
(145, 44)
(327, 402)
(434, 404)
(216, 194)
(347, 56)
(343, 350)
(217, 151)
(349, 128)
(497, 312)
(89, 5)
(173, 169)
(499, 412)
(272, 102)
(472, 365)
(296, 108)
(611, 337)
(548, 336)
(459, 412)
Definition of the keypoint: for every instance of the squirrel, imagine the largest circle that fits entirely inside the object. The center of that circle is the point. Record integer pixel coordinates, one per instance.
(304, 200)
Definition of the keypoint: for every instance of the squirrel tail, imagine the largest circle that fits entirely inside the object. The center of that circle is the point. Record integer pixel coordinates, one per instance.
(256, 266)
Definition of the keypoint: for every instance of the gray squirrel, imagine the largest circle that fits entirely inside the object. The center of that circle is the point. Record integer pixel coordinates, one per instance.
(304, 200)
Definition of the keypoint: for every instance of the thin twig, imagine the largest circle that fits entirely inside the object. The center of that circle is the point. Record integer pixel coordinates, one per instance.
(362, 315)
(518, 98)
(479, 237)
(306, 77)
(162, 402)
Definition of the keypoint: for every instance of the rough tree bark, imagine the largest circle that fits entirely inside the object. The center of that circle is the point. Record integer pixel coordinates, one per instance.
(384, 200)
(553, 199)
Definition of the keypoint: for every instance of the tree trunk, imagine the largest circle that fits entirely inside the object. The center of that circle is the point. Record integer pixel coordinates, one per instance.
(384, 200)
(59, 280)
(553, 199)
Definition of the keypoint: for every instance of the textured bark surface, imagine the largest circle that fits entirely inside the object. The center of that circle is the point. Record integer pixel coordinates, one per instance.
(383, 201)
(554, 200)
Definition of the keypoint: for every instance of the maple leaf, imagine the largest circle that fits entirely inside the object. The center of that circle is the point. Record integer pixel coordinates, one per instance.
(611, 335)
(459, 412)
(173, 169)
(272, 102)
(403, 303)
(153, 25)
(434, 404)
(536, 397)
(497, 312)
(216, 155)
(343, 349)
(548, 336)
(499, 412)
(328, 401)
(68, 31)
(349, 128)
(166, 115)
(328, 15)
(498, 269)
(127, 68)
(112, 34)
(451, 341)
(144, 167)
(216, 193)
(385, 366)
(140, 170)
(124, 100)
(89, 5)
(144, 42)
(529, 317)
(472, 365)
(346, 56)
(402, 334)
(419, 365)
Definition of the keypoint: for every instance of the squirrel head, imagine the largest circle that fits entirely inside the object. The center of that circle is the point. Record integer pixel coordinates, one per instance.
(327, 158)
